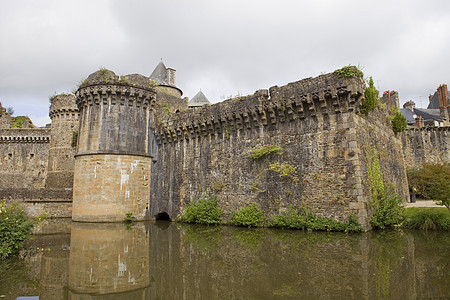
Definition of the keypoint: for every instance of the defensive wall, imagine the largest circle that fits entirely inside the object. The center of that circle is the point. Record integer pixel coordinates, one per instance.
(24, 157)
(323, 138)
(426, 144)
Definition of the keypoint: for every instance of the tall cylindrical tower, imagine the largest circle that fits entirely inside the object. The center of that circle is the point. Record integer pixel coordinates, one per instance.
(113, 161)
(64, 131)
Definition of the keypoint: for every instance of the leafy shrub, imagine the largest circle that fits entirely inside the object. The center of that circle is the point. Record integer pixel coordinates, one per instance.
(371, 99)
(284, 170)
(15, 227)
(398, 120)
(264, 151)
(387, 210)
(431, 181)
(205, 210)
(128, 217)
(250, 215)
(428, 219)
(18, 122)
(303, 219)
(349, 71)
(386, 204)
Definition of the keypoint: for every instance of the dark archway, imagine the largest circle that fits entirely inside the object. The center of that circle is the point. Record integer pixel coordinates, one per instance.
(162, 216)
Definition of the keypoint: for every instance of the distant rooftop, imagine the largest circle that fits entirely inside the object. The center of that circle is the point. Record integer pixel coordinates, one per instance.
(425, 113)
(198, 100)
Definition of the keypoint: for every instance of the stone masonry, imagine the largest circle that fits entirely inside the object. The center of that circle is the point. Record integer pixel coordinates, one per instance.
(113, 161)
(317, 124)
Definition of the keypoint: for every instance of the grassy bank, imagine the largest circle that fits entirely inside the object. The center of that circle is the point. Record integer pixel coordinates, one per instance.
(427, 218)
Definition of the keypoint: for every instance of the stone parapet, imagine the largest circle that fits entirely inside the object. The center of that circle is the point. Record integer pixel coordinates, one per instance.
(427, 144)
(114, 119)
(308, 98)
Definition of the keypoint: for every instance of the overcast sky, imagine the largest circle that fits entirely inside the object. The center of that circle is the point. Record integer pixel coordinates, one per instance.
(221, 47)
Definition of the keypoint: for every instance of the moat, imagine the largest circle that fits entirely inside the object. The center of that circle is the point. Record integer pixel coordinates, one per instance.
(163, 260)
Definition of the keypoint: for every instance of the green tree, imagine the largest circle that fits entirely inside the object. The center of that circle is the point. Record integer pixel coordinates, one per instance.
(398, 120)
(370, 101)
(432, 181)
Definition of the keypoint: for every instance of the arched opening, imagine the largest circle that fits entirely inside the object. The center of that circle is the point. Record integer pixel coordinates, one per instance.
(162, 216)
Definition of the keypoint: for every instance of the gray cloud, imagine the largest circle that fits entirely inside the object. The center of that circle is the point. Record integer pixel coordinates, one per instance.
(221, 47)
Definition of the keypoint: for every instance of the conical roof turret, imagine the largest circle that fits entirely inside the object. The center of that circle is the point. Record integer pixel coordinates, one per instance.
(198, 100)
(160, 74)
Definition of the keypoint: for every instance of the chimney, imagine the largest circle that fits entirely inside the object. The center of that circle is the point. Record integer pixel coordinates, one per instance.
(430, 97)
(171, 76)
(420, 122)
(443, 95)
(409, 105)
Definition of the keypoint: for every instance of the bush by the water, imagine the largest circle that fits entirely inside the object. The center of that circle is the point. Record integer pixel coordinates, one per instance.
(388, 210)
(427, 218)
(303, 219)
(205, 210)
(250, 215)
(15, 227)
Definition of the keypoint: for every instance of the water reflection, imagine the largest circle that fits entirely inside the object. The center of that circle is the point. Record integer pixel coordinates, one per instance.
(178, 261)
(108, 259)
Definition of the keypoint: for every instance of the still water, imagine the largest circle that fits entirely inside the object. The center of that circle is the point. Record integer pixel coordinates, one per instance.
(165, 260)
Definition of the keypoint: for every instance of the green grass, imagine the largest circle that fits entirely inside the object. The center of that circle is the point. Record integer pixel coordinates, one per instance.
(427, 218)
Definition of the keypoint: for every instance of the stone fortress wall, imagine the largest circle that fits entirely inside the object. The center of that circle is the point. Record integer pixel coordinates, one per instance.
(316, 123)
(426, 144)
(24, 157)
(139, 149)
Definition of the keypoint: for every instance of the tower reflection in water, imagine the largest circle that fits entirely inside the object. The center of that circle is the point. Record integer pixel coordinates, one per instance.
(108, 259)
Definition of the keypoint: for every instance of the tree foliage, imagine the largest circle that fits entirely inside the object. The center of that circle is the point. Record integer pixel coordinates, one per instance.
(15, 227)
(386, 204)
(371, 98)
(431, 181)
(398, 120)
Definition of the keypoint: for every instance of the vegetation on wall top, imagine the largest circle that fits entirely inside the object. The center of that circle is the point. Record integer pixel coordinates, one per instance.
(349, 71)
(398, 120)
(18, 122)
(371, 98)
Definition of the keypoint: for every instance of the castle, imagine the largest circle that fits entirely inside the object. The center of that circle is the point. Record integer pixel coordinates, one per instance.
(131, 145)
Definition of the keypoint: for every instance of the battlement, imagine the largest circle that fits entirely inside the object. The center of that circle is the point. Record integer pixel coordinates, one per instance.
(24, 139)
(125, 95)
(414, 130)
(28, 135)
(324, 95)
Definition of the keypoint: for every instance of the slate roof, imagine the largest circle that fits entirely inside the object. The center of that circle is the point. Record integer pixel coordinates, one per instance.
(160, 74)
(425, 113)
(409, 115)
(198, 100)
(434, 103)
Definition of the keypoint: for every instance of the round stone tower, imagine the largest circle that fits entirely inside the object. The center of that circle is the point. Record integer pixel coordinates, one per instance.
(63, 140)
(113, 161)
